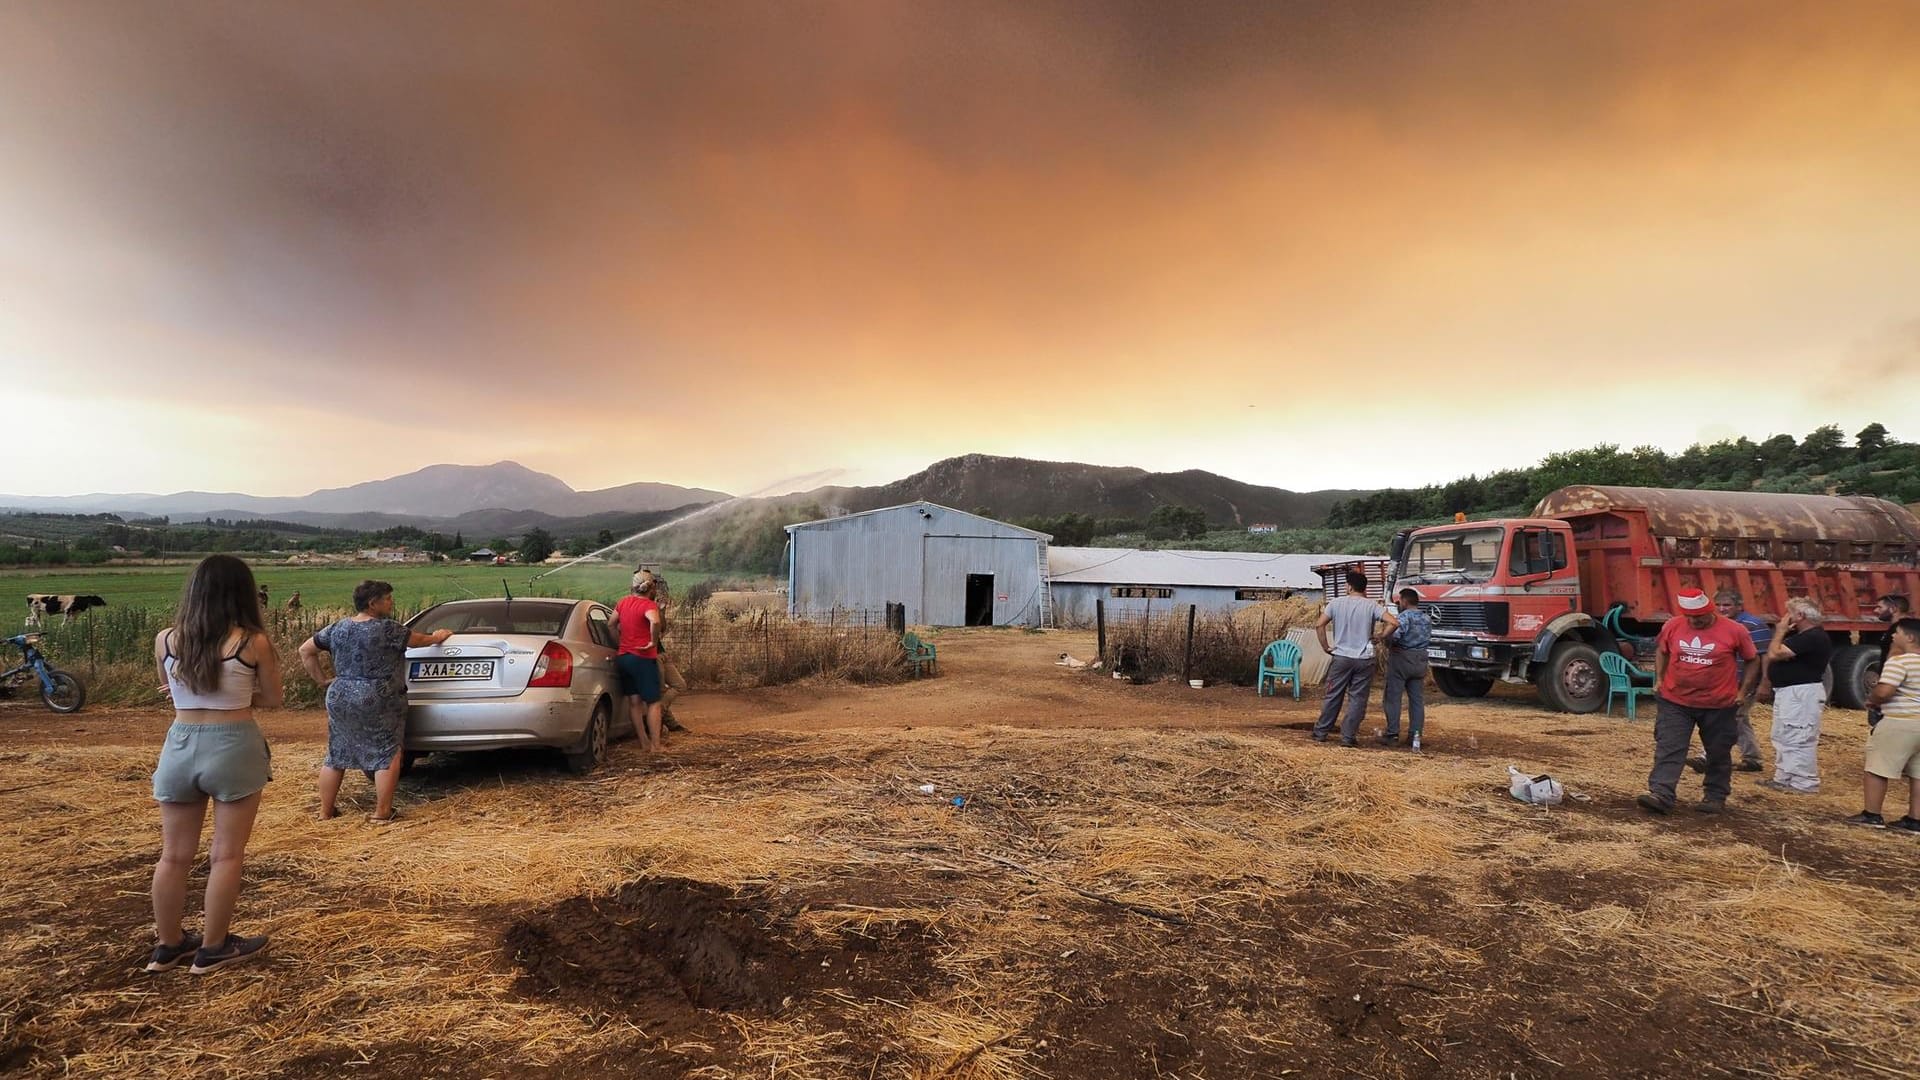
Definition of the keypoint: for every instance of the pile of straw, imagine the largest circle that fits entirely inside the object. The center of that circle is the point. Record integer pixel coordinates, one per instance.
(1086, 865)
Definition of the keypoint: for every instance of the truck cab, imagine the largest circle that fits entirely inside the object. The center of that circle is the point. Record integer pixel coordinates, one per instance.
(1504, 598)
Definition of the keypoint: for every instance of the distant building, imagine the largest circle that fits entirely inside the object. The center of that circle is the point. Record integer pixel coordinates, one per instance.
(1130, 581)
(392, 555)
(1262, 530)
(949, 567)
(482, 555)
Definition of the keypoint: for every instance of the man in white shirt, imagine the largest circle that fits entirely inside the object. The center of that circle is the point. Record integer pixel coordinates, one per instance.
(1357, 623)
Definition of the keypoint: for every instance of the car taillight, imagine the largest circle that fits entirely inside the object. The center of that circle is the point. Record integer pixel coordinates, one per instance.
(554, 668)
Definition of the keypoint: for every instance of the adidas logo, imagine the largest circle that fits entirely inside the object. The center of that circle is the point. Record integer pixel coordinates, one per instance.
(1696, 652)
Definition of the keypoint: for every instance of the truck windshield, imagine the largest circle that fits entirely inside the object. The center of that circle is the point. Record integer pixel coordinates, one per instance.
(1471, 555)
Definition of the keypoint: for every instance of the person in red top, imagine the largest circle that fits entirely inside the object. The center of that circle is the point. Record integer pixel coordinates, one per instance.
(636, 618)
(1698, 669)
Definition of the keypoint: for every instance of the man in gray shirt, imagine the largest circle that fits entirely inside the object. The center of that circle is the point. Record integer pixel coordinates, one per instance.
(1357, 622)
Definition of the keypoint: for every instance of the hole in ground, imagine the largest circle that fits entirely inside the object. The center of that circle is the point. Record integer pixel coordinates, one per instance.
(668, 949)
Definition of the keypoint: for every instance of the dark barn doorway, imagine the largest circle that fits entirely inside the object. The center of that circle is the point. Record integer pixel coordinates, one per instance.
(979, 599)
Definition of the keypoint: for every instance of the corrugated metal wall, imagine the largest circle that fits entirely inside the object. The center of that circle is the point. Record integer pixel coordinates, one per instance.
(918, 555)
(1073, 601)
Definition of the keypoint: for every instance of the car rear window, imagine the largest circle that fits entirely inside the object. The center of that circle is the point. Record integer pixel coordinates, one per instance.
(495, 617)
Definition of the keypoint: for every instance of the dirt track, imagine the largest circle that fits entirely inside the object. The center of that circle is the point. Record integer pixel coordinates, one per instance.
(774, 897)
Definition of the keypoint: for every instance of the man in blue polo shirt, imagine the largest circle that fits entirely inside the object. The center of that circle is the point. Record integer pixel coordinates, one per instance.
(1731, 605)
(1407, 670)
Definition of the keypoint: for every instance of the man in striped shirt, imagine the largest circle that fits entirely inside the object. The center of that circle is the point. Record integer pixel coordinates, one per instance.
(1893, 749)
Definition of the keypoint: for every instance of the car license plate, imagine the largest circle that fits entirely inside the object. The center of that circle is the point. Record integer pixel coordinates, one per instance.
(1436, 654)
(434, 670)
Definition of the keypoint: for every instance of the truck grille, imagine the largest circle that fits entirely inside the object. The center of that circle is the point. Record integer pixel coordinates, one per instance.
(1463, 616)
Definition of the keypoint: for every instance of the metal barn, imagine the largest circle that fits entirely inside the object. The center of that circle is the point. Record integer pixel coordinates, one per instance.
(1131, 581)
(949, 568)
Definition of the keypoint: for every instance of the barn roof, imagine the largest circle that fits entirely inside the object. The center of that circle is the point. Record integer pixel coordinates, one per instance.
(821, 522)
(1216, 569)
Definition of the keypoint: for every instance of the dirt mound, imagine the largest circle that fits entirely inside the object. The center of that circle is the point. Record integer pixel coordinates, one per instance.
(666, 949)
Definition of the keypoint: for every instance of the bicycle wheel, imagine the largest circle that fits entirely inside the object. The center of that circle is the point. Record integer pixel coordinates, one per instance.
(68, 693)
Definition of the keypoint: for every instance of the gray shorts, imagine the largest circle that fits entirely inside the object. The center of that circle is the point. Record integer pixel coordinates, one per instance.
(226, 761)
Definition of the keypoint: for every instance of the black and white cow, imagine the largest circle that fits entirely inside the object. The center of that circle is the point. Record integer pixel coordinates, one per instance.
(65, 605)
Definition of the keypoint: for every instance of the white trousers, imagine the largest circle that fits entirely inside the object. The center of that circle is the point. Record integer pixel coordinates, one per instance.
(1796, 735)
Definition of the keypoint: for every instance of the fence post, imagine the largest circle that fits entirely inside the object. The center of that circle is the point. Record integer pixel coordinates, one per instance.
(1100, 626)
(1186, 671)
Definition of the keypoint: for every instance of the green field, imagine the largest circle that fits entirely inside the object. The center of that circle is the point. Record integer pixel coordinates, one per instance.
(414, 586)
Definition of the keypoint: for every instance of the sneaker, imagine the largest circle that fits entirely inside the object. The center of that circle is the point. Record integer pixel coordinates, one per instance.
(1907, 825)
(667, 721)
(1710, 806)
(1697, 764)
(1349, 743)
(1319, 736)
(168, 957)
(1653, 804)
(1870, 820)
(234, 950)
(1750, 766)
(1775, 785)
(1415, 744)
(1389, 740)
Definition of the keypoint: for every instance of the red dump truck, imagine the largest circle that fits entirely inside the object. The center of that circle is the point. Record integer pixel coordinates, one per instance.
(1595, 569)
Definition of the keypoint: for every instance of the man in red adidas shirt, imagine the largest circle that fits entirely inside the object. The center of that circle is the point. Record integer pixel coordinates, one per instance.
(1697, 668)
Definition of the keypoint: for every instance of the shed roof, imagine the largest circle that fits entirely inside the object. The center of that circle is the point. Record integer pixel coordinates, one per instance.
(821, 522)
(1218, 569)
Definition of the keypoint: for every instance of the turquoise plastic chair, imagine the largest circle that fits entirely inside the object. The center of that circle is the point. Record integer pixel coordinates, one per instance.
(1621, 674)
(1281, 660)
(920, 654)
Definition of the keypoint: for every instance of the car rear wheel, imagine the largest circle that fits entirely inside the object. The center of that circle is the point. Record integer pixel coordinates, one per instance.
(592, 750)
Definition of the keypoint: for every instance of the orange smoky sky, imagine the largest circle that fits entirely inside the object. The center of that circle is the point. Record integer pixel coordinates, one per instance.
(278, 246)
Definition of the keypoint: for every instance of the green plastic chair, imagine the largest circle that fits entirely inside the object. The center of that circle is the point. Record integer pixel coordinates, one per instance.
(1281, 660)
(1621, 674)
(919, 653)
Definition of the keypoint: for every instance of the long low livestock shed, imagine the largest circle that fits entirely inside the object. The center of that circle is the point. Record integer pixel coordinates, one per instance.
(1130, 581)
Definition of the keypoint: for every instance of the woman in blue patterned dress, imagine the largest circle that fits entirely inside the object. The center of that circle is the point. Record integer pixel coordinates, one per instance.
(367, 696)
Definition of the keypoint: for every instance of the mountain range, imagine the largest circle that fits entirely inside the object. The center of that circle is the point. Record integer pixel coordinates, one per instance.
(435, 492)
(509, 498)
(1010, 487)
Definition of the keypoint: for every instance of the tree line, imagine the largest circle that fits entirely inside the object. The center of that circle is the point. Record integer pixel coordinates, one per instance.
(1824, 462)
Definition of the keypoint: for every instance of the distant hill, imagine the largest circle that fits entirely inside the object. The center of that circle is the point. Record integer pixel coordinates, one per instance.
(420, 497)
(1010, 487)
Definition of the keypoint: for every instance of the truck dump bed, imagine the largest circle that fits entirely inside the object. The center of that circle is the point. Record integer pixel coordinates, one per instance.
(1640, 546)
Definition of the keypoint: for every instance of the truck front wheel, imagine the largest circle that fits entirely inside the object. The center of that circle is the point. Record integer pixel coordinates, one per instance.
(1573, 680)
(1855, 669)
(1461, 684)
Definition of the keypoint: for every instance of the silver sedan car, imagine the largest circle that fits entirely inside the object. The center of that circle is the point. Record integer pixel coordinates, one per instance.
(536, 672)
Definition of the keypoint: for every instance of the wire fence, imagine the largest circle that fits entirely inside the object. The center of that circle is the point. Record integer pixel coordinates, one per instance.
(1183, 642)
(112, 648)
(768, 648)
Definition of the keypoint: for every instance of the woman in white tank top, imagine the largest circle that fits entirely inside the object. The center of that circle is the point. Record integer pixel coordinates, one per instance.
(219, 665)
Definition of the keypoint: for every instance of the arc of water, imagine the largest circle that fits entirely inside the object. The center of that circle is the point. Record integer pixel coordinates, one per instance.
(778, 485)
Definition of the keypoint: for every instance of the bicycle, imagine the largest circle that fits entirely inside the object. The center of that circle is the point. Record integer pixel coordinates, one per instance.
(62, 691)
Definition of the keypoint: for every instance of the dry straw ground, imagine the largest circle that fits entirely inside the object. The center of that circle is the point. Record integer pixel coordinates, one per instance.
(1145, 881)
